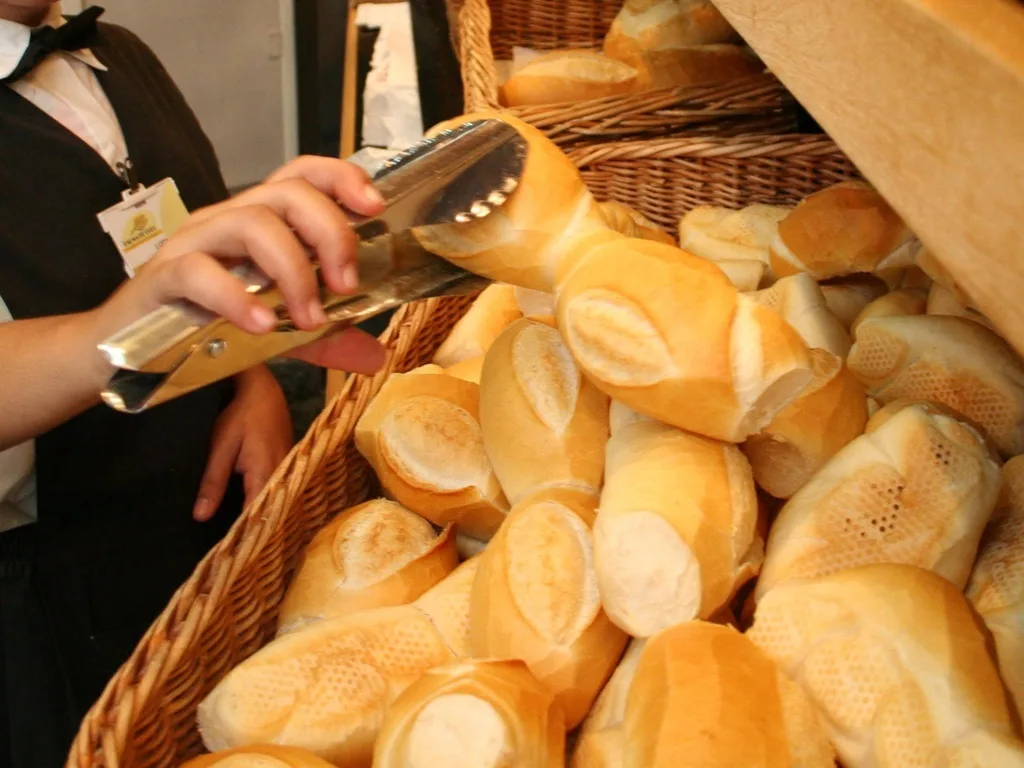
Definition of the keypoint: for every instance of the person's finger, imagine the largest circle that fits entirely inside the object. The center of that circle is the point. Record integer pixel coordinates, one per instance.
(350, 350)
(254, 478)
(345, 182)
(256, 232)
(219, 466)
(316, 219)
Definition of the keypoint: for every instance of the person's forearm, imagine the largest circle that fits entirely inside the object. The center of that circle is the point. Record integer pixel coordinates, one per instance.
(50, 370)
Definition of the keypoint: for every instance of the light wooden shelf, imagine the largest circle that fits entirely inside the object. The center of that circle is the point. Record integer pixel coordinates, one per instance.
(927, 98)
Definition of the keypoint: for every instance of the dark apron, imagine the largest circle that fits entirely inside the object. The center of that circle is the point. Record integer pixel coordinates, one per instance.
(115, 536)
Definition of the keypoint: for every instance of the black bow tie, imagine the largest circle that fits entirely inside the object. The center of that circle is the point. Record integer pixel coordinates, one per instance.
(79, 32)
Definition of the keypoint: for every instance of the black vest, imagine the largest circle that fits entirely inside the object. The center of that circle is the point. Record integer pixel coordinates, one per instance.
(115, 535)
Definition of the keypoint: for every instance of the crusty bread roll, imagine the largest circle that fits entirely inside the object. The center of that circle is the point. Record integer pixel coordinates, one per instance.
(543, 423)
(896, 664)
(722, 234)
(631, 223)
(523, 241)
(600, 738)
(801, 303)
(535, 303)
(917, 490)
(942, 301)
(480, 714)
(746, 275)
(259, 756)
(798, 442)
(620, 415)
(692, 65)
(662, 555)
(902, 301)
(644, 25)
(494, 310)
(848, 296)
(996, 586)
(447, 604)
(948, 360)
(325, 687)
(373, 555)
(535, 598)
(703, 694)
(467, 370)
(725, 372)
(421, 434)
(843, 229)
(566, 76)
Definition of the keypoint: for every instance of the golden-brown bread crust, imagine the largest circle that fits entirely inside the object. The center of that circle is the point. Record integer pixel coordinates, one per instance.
(422, 436)
(841, 230)
(719, 234)
(494, 310)
(693, 65)
(740, 361)
(798, 442)
(468, 370)
(568, 76)
(800, 302)
(259, 756)
(661, 556)
(902, 301)
(536, 598)
(916, 490)
(868, 645)
(703, 694)
(489, 713)
(948, 360)
(631, 223)
(373, 555)
(325, 687)
(447, 603)
(848, 296)
(543, 423)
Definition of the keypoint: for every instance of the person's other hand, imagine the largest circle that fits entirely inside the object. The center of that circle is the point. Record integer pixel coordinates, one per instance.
(252, 436)
(272, 224)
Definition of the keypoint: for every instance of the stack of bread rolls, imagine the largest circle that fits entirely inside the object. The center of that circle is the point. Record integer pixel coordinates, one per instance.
(712, 522)
(652, 44)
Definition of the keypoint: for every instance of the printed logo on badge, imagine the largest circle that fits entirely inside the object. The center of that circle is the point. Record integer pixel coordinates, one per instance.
(143, 221)
(140, 229)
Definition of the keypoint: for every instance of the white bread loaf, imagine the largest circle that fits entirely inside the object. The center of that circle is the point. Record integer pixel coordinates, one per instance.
(600, 738)
(828, 415)
(467, 370)
(567, 76)
(523, 241)
(421, 434)
(494, 310)
(674, 64)
(917, 489)
(325, 687)
(259, 756)
(942, 301)
(447, 604)
(848, 296)
(723, 234)
(543, 423)
(480, 714)
(704, 695)
(841, 230)
(620, 415)
(948, 360)
(644, 25)
(631, 223)
(902, 301)
(535, 303)
(663, 556)
(535, 598)
(996, 586)
(800, 302)
(725, 371)
(897, 665)
(373, 555)
(746, 275)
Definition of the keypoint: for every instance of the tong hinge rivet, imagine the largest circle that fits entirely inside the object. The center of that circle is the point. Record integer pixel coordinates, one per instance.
(216, 347)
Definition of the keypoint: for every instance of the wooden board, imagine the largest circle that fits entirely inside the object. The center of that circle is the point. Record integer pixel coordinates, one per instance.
(927, 98)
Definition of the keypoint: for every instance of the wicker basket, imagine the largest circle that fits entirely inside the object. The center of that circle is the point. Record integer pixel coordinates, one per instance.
(484, 31)
(228, 608)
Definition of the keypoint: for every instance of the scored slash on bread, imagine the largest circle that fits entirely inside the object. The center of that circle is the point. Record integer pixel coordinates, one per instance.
(897, 665)
(373, 555)
(800, 302)
(477, 714)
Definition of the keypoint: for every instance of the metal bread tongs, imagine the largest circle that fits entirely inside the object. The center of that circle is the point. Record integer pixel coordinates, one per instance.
(456, 177)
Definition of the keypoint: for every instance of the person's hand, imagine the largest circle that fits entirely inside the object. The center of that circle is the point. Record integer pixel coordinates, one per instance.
(272, 224)
(251, 437)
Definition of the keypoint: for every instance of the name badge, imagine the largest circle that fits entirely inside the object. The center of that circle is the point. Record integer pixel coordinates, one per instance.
(143, 221)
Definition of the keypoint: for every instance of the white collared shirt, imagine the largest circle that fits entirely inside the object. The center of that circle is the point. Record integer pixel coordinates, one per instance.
(65, 87)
